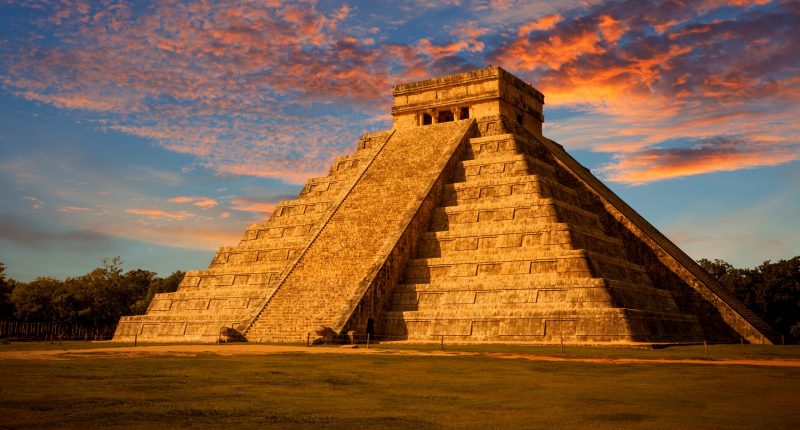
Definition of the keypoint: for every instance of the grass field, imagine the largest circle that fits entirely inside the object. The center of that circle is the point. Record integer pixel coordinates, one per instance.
(356, 391)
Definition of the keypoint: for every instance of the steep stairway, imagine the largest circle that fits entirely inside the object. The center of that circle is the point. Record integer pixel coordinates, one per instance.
(360, 232)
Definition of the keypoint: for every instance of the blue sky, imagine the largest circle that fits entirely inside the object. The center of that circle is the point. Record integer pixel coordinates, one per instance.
(159, 132)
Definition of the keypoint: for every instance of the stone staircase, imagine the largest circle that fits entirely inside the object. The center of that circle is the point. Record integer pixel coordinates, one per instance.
(322, 287)
(510, 255)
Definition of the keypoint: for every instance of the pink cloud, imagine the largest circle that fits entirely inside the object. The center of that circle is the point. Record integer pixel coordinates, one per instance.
(240, 77)
(252, 205)
(640, 92)
(162, 214)
(654, 164)
(238, 84)
(74, 209)
(199, 201)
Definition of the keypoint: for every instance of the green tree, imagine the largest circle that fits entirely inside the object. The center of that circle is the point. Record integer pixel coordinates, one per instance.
(159, 285)
(771, 290)
(34, 301)
(97, 291)
(6, 287)
(134, 288)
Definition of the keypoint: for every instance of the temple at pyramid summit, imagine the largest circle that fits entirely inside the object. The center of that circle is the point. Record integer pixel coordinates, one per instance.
(461, 223)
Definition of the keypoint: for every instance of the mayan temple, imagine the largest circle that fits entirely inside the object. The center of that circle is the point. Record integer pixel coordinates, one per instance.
(461, 223)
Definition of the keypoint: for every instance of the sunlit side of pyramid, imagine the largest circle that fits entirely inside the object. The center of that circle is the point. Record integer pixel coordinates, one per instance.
(462, 223)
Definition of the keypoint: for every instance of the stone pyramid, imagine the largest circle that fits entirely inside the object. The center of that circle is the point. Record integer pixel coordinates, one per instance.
(462, 223)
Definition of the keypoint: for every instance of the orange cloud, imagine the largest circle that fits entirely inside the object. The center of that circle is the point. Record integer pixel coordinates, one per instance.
(74, 209)
(161, 214)
(469, 30)
(720, 155)
(544, 23)
(638, 93)
(199, 201)
(252, 205)
(551, 51)
(242, 92)
(241, 77)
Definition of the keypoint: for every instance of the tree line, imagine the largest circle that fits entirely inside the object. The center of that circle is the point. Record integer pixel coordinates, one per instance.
(94, 301)
(100, 297)
(771, 290)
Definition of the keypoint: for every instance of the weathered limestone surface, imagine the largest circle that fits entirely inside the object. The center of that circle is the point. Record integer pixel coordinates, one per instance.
(359, 235)
(511, 256)
(462, 222)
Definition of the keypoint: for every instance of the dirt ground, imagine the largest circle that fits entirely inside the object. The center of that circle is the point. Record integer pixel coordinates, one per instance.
(250, 349)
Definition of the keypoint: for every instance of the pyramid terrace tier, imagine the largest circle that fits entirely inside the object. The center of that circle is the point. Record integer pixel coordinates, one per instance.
(565, 263)
(533, 237)
(525, 292)
(253, 252)
(497, 166)
(228, 277)
(175, 328)
(584, 326)
(516, 210)
(494, 189)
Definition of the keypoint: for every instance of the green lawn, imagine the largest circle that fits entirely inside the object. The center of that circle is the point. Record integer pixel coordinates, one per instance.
(360, 391)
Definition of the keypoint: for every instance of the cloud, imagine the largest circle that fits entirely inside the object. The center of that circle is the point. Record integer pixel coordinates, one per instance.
(544, 23)
(162, 214)
(29, 234)
(199, 201)
(244, 204)
(203, 78)
(721, 154)
(644, 74)
(74, 209)
(277, 89)
(36, 203)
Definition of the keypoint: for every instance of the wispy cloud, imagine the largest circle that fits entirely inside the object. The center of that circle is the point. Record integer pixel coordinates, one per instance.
(161, 214)
(648, 73)
(36, 203)
(26, 233)
(243, 79)
(253, 88)
(74, 209)
(716, 155)
(244, 204)
(199, 201)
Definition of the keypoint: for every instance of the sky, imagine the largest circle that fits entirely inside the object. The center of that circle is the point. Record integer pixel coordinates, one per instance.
(157, 131)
